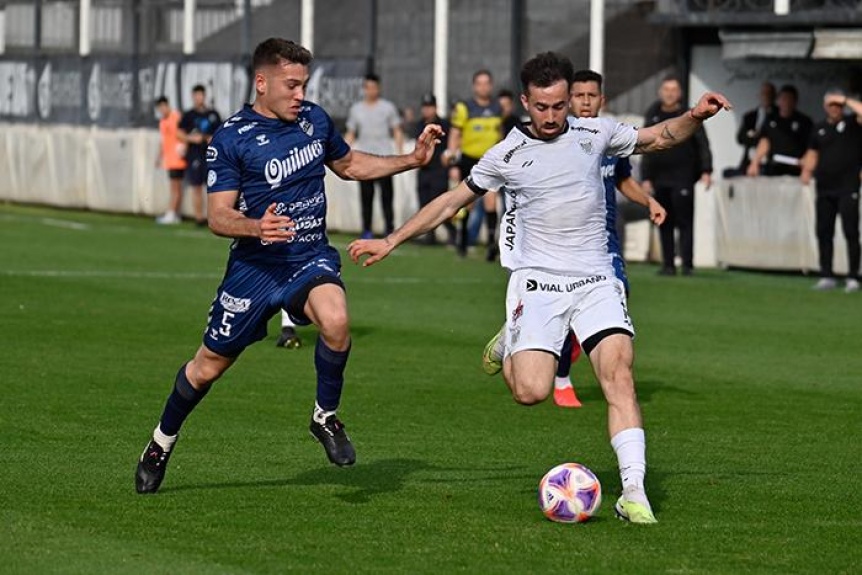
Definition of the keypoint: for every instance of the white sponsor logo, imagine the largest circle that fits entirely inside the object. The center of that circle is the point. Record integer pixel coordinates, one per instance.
(262, 140)
(212, 178)
(234, 304)
(246, 128)
(212, 154)
(302, 205)
(278, 169)
(307, 223)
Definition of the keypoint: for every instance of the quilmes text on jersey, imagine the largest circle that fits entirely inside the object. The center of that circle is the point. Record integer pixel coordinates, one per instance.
(277, 169)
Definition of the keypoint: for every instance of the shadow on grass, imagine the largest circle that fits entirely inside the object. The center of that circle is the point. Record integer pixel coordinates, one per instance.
(590, 392)
(371, 479)
(647, 388)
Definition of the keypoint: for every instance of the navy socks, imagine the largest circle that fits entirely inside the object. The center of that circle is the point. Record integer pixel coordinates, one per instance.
(181, 402)
(330, 366)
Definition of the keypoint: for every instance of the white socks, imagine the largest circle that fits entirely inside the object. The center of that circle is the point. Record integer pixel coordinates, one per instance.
(166, 442)
(320, 415)
(562, 383)
(285, 320)
(630, 447)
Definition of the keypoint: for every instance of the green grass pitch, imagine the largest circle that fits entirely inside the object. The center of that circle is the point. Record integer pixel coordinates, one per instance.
(751, 387)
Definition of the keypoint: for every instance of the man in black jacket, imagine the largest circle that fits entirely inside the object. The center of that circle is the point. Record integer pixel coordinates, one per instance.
(672, 174)
(753, 122)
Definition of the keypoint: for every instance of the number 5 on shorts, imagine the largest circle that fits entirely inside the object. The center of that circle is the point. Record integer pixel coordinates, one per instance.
(225, 323)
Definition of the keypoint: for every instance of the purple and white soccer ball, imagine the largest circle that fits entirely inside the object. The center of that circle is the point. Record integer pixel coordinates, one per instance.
(569, 493)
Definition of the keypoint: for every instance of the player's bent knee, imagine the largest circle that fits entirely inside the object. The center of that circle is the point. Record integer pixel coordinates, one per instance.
(207, 367)
(530, 391)
(335, 329)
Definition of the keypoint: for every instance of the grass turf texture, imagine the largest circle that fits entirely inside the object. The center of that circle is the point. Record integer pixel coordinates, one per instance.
(750, 386)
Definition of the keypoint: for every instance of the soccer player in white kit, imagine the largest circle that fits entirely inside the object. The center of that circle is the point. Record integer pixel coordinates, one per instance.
(553, 239)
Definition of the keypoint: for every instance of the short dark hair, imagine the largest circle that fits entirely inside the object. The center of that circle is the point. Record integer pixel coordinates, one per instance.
(671, 78)
(483, 72)
(546, 69)
(272, 51)
(161, 100)
(372, 77)
(506, 93)
(199, 88)
(789, 89)
(588, 76)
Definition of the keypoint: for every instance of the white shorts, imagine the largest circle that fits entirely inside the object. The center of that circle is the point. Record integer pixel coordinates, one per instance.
(542, 307)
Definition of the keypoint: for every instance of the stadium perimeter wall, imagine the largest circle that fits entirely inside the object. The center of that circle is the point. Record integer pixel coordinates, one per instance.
(115, 171)
(742, 222)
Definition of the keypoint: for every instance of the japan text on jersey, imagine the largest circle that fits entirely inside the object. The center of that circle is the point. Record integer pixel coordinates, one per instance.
(267, 160)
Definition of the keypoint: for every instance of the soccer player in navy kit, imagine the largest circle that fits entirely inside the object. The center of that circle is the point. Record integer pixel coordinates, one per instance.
(266, 190)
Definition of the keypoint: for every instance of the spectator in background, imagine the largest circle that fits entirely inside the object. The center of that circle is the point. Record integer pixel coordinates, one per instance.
(476, 127)
(783, 139)
(507, 109)
(433, 178)
(171, 158)
(753, 122)
(374, 127)
(197, 127)
(834, 158)
(672, 174)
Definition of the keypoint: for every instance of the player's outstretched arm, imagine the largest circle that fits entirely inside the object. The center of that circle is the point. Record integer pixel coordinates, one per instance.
(675, 131)
(361, 166)
(225, 220)
(432, 215)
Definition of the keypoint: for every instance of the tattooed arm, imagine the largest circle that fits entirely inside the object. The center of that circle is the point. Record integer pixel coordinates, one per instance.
(675, 131)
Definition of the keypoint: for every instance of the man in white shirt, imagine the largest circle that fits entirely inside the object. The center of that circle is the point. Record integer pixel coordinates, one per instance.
(553, 239)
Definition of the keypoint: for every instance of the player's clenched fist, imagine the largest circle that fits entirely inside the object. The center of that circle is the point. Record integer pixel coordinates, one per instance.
(275, 228)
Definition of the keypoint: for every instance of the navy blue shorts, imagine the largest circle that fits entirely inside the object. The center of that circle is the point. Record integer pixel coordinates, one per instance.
(251, 293)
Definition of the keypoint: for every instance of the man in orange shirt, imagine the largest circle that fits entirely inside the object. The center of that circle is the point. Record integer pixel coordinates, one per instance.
(172, 158)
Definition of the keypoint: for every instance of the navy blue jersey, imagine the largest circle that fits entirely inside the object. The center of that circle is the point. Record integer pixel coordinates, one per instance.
(269, 160)
(614, 170)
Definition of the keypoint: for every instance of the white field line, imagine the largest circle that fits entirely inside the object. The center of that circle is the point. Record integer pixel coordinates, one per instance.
(67, 224)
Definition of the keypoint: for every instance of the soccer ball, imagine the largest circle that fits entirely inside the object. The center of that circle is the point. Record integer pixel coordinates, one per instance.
(569, 493)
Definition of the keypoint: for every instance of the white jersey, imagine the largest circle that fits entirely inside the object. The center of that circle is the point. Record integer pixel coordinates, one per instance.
(555, 213)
